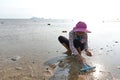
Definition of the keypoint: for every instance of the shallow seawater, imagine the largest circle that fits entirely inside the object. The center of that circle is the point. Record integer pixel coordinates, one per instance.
(67, 68)
(38, 40)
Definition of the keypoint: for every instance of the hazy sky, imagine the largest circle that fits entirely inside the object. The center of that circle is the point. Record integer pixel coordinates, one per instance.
(59, 8)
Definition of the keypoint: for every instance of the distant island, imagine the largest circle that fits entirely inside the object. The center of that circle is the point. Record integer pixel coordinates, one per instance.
(36, 18)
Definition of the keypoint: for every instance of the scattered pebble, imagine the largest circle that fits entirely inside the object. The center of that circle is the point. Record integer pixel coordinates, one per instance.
(116, 41)
(109, 50)
(64, 31)
(48, 24)
(56, 51)
(101, 48)
(33, 62)
(15, 58)
(18, 68)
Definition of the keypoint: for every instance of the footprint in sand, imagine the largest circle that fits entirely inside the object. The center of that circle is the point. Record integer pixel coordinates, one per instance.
(48, 72)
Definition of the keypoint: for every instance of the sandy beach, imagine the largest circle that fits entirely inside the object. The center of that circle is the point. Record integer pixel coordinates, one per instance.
(29, 50)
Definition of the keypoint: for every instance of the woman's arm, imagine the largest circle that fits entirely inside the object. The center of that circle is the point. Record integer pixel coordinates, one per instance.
(71, 38)
(88, 53)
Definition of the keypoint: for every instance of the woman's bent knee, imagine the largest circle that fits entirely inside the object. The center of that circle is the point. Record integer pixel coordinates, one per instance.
(63, 39)
(60, 38)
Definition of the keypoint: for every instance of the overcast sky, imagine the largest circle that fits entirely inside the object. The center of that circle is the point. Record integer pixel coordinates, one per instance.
(60, 8)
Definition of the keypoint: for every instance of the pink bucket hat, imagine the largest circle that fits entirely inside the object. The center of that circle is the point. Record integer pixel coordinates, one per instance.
(82, 27)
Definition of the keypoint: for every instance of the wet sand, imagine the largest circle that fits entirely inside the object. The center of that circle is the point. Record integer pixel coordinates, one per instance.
(34, 53)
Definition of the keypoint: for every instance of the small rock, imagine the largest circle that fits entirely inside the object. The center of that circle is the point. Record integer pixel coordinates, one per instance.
(15, 58)
(33, 62)
(101, 48)
(64, 31)
(56, 51)
(18, 68)
(48, 24)
(116, 41)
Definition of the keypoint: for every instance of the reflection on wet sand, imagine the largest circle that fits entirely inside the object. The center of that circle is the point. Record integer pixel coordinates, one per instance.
(97, 70)
(67, 68)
